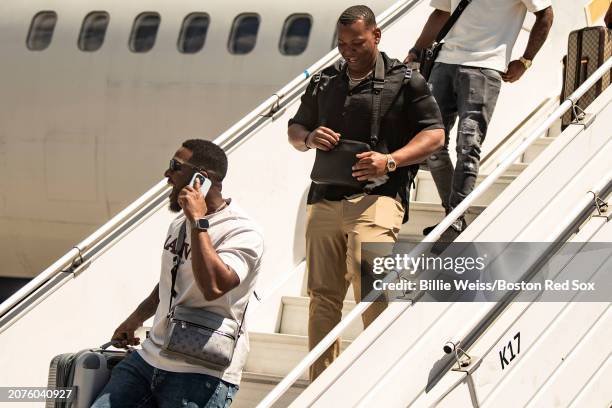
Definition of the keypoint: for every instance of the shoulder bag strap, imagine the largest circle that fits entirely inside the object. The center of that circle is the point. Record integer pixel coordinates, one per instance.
(452, 20)
(378, 86)
(242, 319)
(180, 245)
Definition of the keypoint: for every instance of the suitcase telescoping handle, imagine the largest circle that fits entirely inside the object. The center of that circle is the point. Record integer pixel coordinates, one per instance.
(112, 343)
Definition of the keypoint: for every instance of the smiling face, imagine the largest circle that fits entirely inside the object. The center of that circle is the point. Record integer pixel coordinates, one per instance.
(358, 44)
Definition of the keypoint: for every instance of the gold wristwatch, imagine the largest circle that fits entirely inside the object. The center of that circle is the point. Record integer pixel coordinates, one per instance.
(391, 164)
(526, 62)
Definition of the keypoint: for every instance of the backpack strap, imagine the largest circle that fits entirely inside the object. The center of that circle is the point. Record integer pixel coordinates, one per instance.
(378, 91)
(407, 75)
(316, 78)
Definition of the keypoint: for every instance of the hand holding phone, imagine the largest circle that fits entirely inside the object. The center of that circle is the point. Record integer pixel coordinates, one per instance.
(204, 183)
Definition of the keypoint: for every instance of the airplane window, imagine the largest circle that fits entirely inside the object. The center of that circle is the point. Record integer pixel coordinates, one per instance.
(144, 32)
(193, 33)
(244, 33)
(41, 30)
(93, 31)
(296, 32)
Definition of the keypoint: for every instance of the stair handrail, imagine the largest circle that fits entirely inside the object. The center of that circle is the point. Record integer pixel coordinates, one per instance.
(434, 235)
(488, 315)
(141, 208)
(545, 104)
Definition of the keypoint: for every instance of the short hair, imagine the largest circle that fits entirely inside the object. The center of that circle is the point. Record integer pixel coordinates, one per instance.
(209, 156)
(355, 13)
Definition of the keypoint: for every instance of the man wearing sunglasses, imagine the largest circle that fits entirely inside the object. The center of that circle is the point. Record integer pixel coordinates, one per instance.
(220, 260)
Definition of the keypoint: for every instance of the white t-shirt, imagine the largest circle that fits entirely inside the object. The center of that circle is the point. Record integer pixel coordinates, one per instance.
(239, 243)
(486, 31)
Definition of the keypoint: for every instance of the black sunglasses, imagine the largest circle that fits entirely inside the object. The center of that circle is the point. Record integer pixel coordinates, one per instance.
(176, 165)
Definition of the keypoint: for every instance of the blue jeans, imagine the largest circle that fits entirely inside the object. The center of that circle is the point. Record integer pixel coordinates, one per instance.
(470, 94)
(136, 384)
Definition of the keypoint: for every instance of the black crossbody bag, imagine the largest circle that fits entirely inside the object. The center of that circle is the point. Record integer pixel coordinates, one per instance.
(334, 166)
(429, 54)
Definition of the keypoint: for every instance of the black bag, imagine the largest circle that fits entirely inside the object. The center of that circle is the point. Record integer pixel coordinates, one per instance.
(429, 54)
(587, 50)
(334, 166)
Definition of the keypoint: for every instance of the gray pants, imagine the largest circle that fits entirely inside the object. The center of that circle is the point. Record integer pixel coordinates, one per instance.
(471, 94)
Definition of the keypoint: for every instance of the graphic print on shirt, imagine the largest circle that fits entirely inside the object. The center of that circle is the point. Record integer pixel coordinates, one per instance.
(170, 245)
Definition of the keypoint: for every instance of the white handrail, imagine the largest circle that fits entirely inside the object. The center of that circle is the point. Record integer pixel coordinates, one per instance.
(477, 321)
(77, 251)
(327, 341)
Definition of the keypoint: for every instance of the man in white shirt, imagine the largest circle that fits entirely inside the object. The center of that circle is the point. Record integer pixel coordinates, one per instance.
(466, 80)
(221, 258)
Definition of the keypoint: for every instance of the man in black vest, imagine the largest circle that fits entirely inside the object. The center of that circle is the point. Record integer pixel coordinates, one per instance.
(338, 105)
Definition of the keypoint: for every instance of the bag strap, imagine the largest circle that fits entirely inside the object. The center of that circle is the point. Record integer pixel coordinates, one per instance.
(452, 20)
(392, 87)
(318, 87)
(242, 320)
(180, 245)
(378, 88)
(383, 96)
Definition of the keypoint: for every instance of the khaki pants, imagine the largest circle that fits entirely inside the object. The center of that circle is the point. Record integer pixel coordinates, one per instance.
(335, 231)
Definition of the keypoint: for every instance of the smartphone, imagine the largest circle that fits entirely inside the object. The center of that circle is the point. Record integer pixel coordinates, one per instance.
(204, 183)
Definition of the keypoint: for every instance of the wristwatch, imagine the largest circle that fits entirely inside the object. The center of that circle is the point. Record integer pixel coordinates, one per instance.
(526, 62)
(200, 224)
(391, 164)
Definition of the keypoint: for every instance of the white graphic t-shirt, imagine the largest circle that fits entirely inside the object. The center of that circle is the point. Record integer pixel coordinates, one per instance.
(486, 31)
(239, 243)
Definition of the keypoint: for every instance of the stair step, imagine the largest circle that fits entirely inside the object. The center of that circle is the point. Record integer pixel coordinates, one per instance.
(555, 129)
(294, 317)
(516, 168)
(254, 387)
(426, 190)
(425, 214)
(277, 354)
(536, 148)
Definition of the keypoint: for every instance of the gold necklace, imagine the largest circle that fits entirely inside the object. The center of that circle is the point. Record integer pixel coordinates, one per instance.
(219, 208)
(357, 79)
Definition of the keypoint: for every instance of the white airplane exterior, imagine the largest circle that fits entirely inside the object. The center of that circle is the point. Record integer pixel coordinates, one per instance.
(95, 94)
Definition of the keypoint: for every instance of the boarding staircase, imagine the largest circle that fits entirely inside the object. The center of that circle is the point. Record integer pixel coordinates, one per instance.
(563, 357)
(98, 283)
(273, 355)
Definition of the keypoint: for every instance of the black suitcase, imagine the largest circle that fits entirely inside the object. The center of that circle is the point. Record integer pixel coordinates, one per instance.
(87, 371)
(587, 50)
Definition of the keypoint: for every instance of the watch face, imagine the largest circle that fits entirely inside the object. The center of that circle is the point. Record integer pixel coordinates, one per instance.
(202, 224)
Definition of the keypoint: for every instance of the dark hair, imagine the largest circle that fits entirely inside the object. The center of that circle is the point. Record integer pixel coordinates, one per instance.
(208, 156)
(355, 13)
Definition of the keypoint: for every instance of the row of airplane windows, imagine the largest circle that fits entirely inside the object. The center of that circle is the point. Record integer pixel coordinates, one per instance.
(192, 35)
